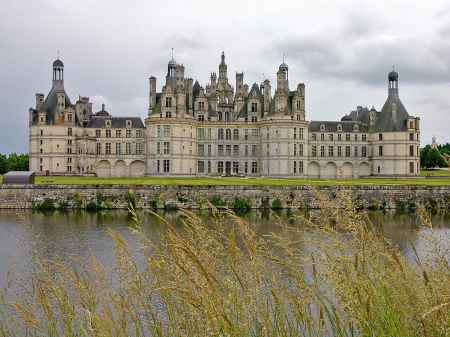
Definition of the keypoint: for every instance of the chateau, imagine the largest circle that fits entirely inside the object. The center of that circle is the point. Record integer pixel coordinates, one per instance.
(221, 129)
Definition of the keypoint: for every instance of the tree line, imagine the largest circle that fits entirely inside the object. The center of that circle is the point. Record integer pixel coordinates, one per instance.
(14, 162)
(431, 158)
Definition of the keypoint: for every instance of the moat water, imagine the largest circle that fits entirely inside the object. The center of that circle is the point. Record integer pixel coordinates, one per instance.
(59, 235)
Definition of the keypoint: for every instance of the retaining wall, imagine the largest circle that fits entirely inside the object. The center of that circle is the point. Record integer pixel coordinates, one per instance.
(194, 197)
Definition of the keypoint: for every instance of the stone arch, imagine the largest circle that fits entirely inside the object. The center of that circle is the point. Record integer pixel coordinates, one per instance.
(330, 170)
(364, 169)
(313, 170)
(120, 169)
(137, 168)
(104, 169)
(347, 170)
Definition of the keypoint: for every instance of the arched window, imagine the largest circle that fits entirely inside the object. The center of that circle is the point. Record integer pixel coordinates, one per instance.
(228, 134)
(227, 116)
(220, 133)
(219, 115)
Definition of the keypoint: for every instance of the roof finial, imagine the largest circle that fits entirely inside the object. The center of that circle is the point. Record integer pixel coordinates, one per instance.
(264, 77)
(393, 67)
(283, 58)
(58, 54)
(172, 53)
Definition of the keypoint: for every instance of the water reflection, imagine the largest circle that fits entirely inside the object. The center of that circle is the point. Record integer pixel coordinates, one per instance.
(58, 235)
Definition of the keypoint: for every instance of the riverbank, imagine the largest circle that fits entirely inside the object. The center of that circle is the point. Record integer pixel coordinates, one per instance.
(203, 197)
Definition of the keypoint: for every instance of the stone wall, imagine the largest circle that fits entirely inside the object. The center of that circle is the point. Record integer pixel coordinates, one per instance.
(198, 197)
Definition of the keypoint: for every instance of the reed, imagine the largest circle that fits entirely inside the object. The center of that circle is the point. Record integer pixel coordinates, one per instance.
(337, 275)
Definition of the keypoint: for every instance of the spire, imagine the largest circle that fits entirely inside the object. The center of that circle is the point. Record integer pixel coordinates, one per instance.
(393, 82)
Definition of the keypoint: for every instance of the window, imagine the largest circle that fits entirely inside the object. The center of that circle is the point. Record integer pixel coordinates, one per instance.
(411, 167)
(220, 150)
(138, 133)
(209, 150)
(254, 107)
(246, 150)
(40, 142)
(108, 133)
(158, 148)
(166, 130)
(295, 133)
(330, 136)
(246, 167)
(201, 105)
(220, 167)
(322, 151)
(236, 150)
(301, 133)
(220, 134)
(228, 134)
(209, 166)
(108, 148)
(246, 134)
(347, 151)
(228, 150)
(347, 137)
(128, 134)
(99, 148)
(254, 119)
(330, 151)
(295, 149)
(201, 166)
(254, 167)
(355, 152)
(118, 148)
(235, 134)
(254, 150)
(69, 118)
(80, 150)
(138, 148)
(300, 150)
(364, 138)
(363, 151)
(166, 146)
(254, 134)
(219, 115)
(127, 148)
(69, 131)
(295, 167)
(42, 132)
(227, 116)
(69, 160)
(201, 150)
(118, 133)
(411, 126)
(201, 133)
(209, 133)
(322, 136)
(411, 136)
(235, 167)
(339, 137)
(339, 151)
(166, 164)
(98, 133)
(380, 151)
(300, 167)
(201, 118)
(69, 150)
(299, 105)
(380, 136)
(158, 131)
(313, 136)
(157, 166)
(356, 138)
(411, 151)
(168, 104)
(69, 168)
(314, 151)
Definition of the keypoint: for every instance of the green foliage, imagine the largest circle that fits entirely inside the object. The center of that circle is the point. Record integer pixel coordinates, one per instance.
(265, 203)
(130, 198)
(47, 205)
(431, 158)
(92, 206)
(216, 201)
(242, 204)
(14, 163)
(277, 204)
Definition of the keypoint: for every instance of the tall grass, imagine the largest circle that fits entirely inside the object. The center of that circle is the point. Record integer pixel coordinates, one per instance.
(337, 275)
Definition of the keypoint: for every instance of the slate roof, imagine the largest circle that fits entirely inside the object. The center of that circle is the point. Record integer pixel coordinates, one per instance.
(331, 126)
(98, 122)
(363, 116)
(49, 105)
(385, 122)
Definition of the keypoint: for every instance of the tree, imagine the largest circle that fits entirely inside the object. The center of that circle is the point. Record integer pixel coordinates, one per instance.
(430, 158)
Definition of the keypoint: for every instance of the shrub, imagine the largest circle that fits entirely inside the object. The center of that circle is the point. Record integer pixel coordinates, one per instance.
(276, 204)
(216, 201)
(242, 204)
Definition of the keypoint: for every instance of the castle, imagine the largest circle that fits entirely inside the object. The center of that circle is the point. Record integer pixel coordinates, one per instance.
(219, 129)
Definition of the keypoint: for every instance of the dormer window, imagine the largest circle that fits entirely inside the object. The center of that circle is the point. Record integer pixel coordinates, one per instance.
(128, 123)
(339, 127)
(322, 127)
(254, 107)
(356, 127)
(108, 123)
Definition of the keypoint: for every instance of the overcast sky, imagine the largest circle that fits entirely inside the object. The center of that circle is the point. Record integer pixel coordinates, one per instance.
(342, 51)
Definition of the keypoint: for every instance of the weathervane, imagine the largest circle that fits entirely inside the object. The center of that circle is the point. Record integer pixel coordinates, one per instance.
(393, 67)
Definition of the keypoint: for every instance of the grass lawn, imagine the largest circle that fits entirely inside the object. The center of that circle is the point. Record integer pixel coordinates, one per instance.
(421, 181)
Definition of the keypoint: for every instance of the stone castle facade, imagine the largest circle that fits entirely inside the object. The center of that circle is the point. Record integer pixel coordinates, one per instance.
(221, 129)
